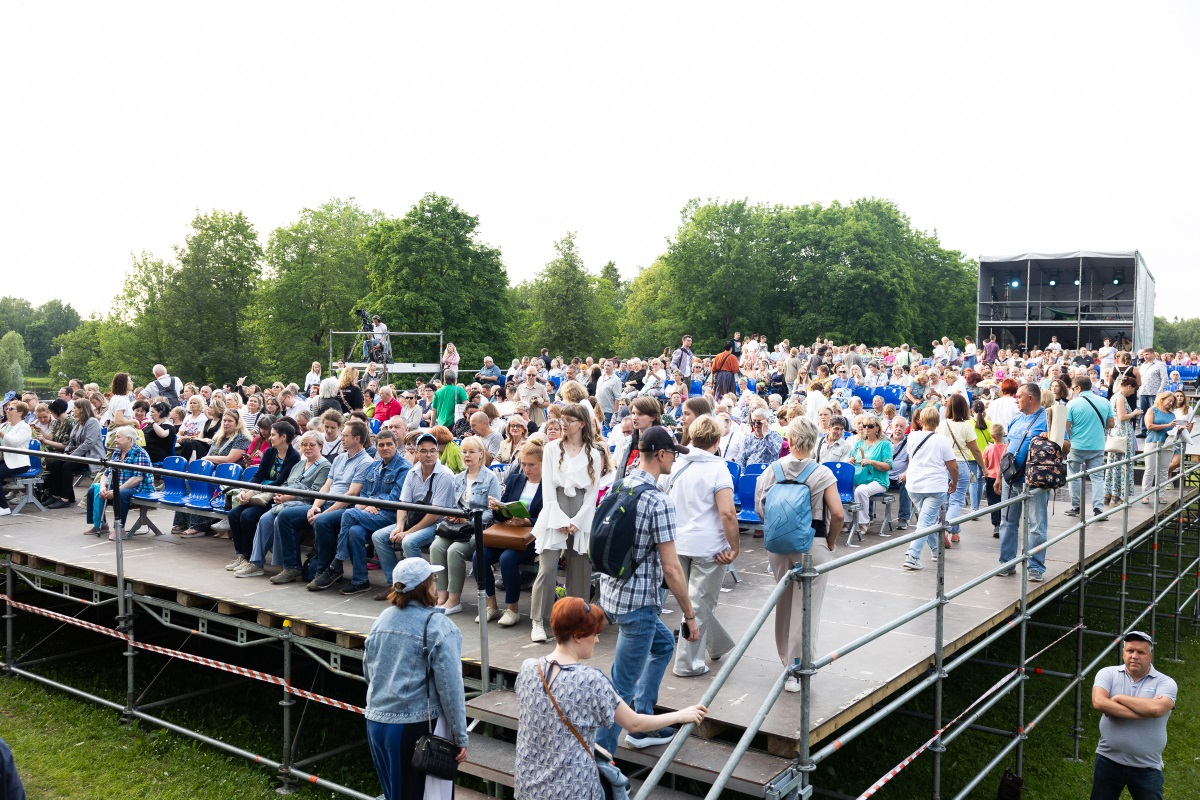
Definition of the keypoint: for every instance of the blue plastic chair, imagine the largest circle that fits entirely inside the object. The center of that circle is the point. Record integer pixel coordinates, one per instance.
(231, 472)
(29, 478)
(375, 426)
(845, 480)
(199, 493)
(745, 493)
(865, 394)
(555, 382)
(250, 474)
(174, 489)
(735, 471)
(754, 470)
(891, 394)
(751, 386)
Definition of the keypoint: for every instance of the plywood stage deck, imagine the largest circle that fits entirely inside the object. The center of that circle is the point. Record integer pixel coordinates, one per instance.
(859, 598)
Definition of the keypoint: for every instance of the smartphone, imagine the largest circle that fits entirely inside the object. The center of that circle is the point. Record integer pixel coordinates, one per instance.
(685, 630)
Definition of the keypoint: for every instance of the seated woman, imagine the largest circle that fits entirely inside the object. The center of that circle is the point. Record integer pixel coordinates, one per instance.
(198, 428)
(253, 408)
(327, 398)
(85, 442)
(462, 426)
(474, 488)
(331, 426)
(260, 442)
(516, 432)
(872, 460)
(448, 452)
(275, 467)
(159, 432)
(55, 439)
(349, 392)
(271, 406)
(131, 482)
(228, 447)
(309, 473)
(1175, 384)
(524, 484)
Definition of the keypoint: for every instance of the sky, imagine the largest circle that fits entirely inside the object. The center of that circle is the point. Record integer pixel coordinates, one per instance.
(1006, 128)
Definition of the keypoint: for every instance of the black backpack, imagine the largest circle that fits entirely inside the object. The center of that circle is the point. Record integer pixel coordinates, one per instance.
(168, 393)
(614, 531)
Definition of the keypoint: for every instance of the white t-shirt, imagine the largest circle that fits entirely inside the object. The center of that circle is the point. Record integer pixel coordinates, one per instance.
(1108, 357)
(927, 471)
(118, 402)
(1002, 410)
(693, 488)
(970, 350)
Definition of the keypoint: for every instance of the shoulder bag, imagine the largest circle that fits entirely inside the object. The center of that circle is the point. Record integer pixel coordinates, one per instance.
(612, 780)
(433, 755)
(1114, 442)
(1010, 470)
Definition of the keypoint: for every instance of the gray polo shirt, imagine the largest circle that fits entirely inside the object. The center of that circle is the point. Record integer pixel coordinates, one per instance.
(1134, 742)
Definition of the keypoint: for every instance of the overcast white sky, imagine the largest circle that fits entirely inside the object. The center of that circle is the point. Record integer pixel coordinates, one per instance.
(1005, 127)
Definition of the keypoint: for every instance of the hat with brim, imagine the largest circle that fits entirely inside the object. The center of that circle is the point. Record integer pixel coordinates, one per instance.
(412, 572)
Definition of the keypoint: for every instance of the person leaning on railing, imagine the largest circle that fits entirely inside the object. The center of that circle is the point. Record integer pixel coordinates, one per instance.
(827, 516)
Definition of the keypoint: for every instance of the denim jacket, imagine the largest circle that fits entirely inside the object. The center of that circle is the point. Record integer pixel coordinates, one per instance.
(486, 485)
(384, 481)
(395, 669)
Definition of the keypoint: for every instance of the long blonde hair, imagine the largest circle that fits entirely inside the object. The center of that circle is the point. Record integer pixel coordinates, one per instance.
(577, 412)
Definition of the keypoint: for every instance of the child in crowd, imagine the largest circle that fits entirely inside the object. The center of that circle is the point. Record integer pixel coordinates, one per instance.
(991, 459)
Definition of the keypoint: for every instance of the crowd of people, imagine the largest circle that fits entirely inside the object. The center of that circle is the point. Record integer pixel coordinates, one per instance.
(537, 446)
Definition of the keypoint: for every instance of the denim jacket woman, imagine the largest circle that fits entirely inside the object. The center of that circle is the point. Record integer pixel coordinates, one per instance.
(396, 685)
(486, 485)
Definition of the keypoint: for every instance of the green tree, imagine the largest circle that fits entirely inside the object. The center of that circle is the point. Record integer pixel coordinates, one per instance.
(429, 272)
(645, 324)
(316, 272)
(570, 315)
(15, 314)
(1177, 334)
(76, 352)
(14, 361)
(209, 303)
(37, 326)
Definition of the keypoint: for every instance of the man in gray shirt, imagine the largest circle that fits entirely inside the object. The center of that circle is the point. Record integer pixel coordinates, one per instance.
(608, 391)
(1136, 701)
(1153, 374)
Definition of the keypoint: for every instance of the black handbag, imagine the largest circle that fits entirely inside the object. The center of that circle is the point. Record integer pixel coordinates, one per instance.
(433, 755)
(455, 531)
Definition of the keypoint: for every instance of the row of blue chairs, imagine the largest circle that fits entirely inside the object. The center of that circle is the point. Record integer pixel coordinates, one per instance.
(1187, 374)
(196, 495)
(28, 479)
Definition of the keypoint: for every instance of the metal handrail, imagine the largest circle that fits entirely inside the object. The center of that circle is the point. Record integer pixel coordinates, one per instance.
(805, 573)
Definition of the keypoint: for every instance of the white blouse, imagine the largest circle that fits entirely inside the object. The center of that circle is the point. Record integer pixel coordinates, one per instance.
(572, 478)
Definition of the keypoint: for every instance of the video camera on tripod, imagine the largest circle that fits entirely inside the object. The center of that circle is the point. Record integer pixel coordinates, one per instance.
(365, 320)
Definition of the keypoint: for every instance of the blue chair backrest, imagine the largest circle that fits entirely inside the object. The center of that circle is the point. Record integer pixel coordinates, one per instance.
(199, 491)
(250, 473)
(174, 488)
(751, 385)
(754, 470)
(890, 394)
(375, 426)
(865, 394)
(503, 380)
(745, 486)
(230, 472)
(555, 382)
(845, 479)
(735, 471)
(696, 387)
(35, 463)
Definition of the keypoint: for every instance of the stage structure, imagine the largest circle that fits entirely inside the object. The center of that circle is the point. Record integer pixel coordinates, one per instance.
(1081, 298)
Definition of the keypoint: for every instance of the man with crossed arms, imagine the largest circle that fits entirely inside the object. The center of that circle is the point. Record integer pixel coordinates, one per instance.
(1136, 701)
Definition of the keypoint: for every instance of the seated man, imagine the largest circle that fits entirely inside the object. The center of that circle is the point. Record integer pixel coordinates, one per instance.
(350, 529)
(761, 445)
(429, 483)
(490, 374)
(481, 426)
(345, 477)
(387, 406)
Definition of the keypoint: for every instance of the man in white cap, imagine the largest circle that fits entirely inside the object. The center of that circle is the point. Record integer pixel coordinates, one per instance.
(1136, 701)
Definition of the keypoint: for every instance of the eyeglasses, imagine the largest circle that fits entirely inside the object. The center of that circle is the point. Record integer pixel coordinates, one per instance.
(425, 451)
(870, 425)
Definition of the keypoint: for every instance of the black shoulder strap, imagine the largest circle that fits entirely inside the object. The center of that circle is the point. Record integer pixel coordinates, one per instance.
(1099, 416)
(921, 444)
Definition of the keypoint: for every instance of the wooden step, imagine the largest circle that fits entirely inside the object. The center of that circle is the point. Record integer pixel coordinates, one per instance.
(698, 759)
(494, 760)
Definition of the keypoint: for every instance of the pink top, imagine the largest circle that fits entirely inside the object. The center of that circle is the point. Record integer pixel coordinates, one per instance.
(450, 359)
(991, 458)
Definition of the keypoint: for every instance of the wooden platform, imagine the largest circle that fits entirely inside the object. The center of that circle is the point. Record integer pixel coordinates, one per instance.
(859, 598)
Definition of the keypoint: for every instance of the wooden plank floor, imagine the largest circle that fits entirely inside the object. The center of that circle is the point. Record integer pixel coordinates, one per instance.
(859, 597)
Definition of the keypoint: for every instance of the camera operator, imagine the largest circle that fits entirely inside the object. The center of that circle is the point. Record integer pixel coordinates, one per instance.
(379, 338)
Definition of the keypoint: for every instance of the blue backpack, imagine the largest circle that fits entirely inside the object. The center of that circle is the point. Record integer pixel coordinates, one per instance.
(787, 513)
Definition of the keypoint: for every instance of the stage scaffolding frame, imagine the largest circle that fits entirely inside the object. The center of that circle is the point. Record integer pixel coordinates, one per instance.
(1172, 524)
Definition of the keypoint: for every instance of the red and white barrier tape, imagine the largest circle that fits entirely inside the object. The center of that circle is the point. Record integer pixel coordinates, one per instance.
(165, 651)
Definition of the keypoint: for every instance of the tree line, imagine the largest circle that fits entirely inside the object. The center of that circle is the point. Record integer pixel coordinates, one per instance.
(226, 305)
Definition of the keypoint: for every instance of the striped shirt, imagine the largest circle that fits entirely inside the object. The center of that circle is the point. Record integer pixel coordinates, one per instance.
(654, 523)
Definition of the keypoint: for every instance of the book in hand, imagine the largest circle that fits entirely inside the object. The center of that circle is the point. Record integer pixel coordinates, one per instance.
(514, 510)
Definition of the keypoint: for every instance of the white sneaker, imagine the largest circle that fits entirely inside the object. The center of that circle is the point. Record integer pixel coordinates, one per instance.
(911, 563)
(236, 564)
(509, 618)
(223, 525)
(539, 633)
(792, 684)
(4, 512)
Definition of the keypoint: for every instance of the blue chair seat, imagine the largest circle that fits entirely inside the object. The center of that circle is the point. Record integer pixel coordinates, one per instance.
(174, 489)
(745, 495)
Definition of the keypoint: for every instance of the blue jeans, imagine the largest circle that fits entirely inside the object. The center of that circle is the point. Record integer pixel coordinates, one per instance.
(645, 647)
(511, 562)
(357, 526)
(1010, 527)
(978, 481)
(291, 523)
(1078, 461)
(958, 501)
(1109, 778)
(928, 506)
(392, 752)
(96, 515)
(411, 547)
(325, 536)
(904, 504)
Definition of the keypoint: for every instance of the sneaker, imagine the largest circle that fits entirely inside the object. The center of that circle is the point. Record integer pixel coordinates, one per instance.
(355, 588)
(493, 614)
(451, 610)
(1072, 512)
(287, 576)
(792, 684)
(4, 512)
(509, 618)
(1036, 577)
(640, 740)
(1097, 511)
(902, 525)
(1004, 573)
(223, 525)
(995, 531)
(912, 563)
(249, 570)
(324, 580)
(538, 634)
(372, 563)
(695, 674)
(236, 564)
(956, 538)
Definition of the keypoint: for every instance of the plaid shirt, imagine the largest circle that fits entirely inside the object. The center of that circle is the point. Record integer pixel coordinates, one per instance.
(655, 522)
(138, 457)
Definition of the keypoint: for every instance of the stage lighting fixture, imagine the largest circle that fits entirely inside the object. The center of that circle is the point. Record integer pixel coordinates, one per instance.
(1013, 280)
(1077, 281)
(1119, 276)
(1054, 278)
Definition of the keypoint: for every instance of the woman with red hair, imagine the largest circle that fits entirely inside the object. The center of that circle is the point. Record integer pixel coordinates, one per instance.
(562, 705)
